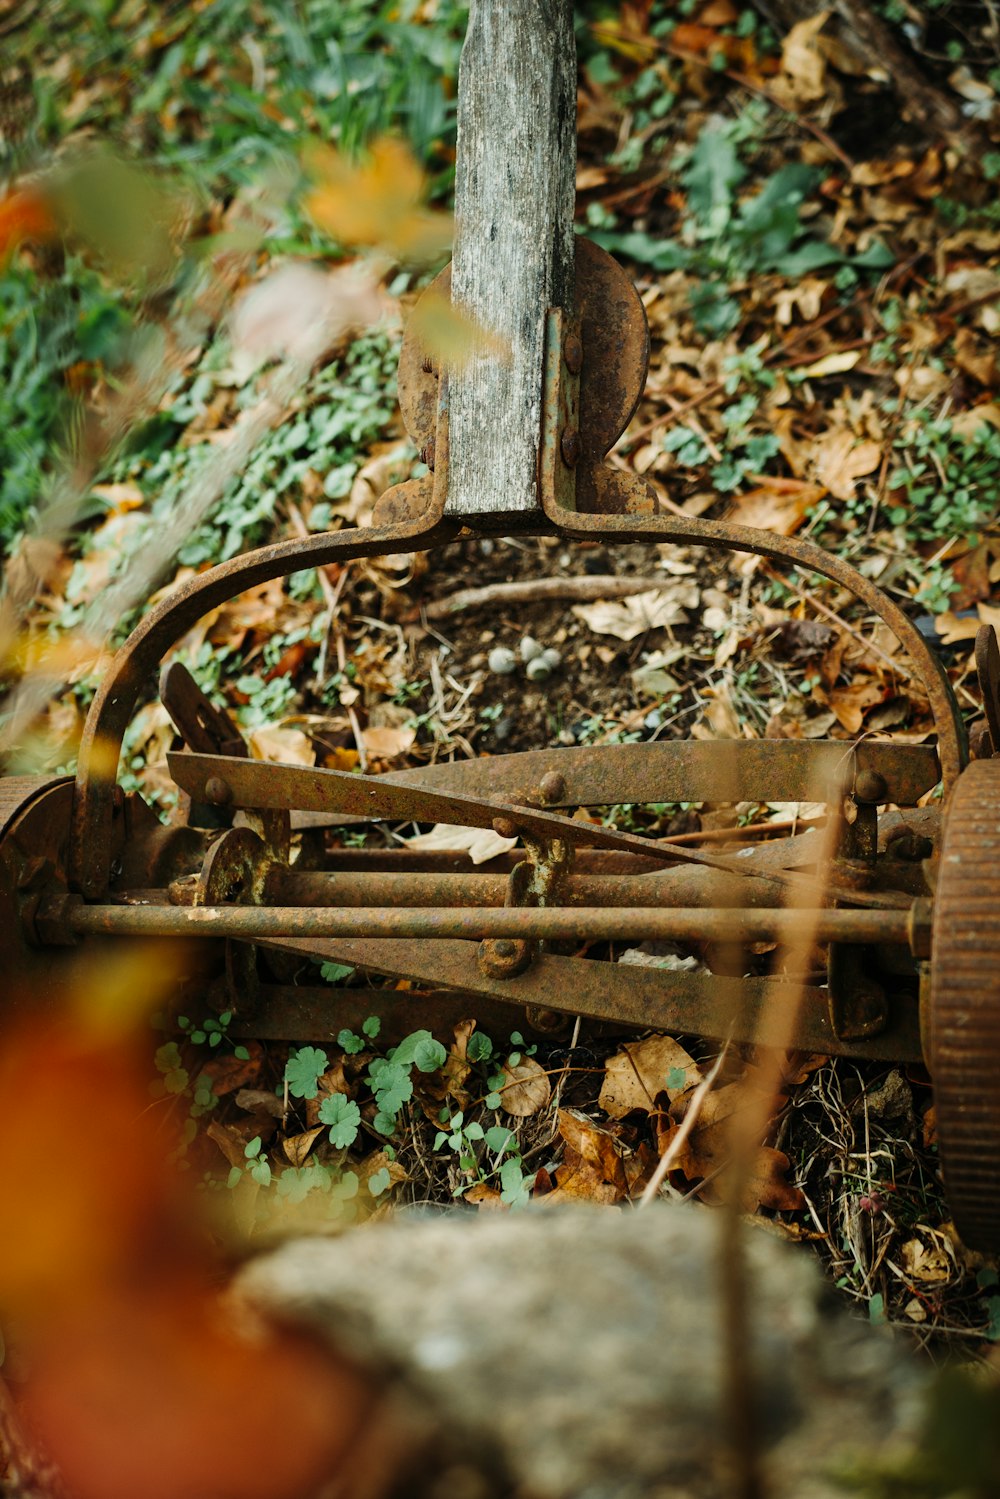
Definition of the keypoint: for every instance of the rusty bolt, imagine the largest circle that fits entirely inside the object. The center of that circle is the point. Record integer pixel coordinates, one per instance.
(550, 1022)
(569, 446)
(427, 453)
(503, 957)
(552, 787)
(218, 793)
(427, 365)
(980, 741)
(573, 354)
(906, 843)
(505, 827)
(869, 787)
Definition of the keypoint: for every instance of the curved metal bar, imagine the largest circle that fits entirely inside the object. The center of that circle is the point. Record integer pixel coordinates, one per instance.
(90, 851)
(952, 740)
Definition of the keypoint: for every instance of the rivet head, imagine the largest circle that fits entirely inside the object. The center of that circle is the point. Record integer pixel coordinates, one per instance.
(869, 786)
(505, 827)
(573, 354)
(218, 793)
(504, 947)
(552, 787)
(569, 446)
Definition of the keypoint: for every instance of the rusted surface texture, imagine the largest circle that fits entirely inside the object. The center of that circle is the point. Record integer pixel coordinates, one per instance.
(590, 393)
(196, 718)
(965, 1005)
(988, 672)
(614, 334)
(34, 818)
(118, 694)
(527, 923)
(263, 783)
(319, 1013)
(928, 669)
(690, 1003)
(679, 770)
(668, 887)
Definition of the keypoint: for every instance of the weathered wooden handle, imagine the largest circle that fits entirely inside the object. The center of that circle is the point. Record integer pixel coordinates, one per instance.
(514, 249)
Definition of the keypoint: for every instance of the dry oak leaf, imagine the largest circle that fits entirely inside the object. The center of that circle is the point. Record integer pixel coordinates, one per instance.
(227, 1074)
(928, 1263)
(710, 1147)
(376, 201)
(486, 1199)
(851, 703)
(641, 1070)
(591, 1169)
(803, 64)
(232, 1139)
(657, 609)
(778, 506)
(526, 1089)
(481, 844)
(841, 463)
(290, 746)
(297, 1147)
(387, 743)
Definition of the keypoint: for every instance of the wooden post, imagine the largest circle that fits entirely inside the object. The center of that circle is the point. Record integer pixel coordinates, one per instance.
(514, 251)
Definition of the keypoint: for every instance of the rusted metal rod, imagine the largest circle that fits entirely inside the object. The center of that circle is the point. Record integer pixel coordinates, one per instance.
(684, 924)
(674, 887)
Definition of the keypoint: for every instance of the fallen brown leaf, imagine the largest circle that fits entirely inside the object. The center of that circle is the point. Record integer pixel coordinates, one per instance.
(637, 1074)
(227, 1074)
(297, 1147)
(527, 1089)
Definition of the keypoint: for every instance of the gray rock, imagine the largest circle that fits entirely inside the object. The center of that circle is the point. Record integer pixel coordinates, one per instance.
(578, 1354)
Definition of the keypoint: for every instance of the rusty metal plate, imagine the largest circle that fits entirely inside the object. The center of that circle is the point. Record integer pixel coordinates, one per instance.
(615, 340)
(264, 783)
(965, 1005)
(673, 771)
(700, 1004)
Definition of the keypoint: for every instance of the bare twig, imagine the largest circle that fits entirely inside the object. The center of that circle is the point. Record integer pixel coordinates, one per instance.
(537, 590)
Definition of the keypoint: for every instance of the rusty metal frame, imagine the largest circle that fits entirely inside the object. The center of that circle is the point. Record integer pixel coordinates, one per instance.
(594, 373)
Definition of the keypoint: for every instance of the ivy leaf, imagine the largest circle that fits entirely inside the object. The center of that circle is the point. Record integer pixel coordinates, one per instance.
(384, 1123)
(378, 1181)
(303, 1070)
(498, 1138)
(350, 1042)
(515, 1186)
(393, 1088)
(480, 1047)
(335, 973)
(372, 1026)
(711, 176)
(406, 1052)
(344, 1118)
(429, 1055)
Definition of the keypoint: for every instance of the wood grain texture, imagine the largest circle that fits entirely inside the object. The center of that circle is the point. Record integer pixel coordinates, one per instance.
(514, 249)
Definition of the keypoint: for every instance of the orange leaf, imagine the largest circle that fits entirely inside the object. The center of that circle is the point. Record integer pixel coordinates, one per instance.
(377, 201)
(24, 215)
